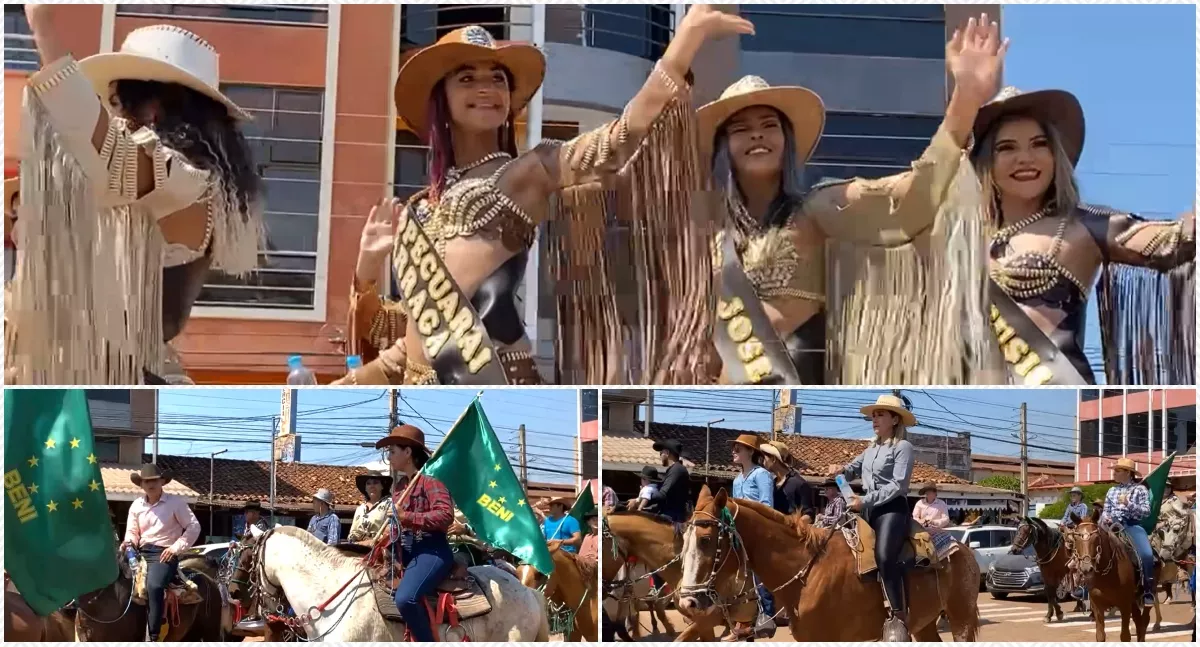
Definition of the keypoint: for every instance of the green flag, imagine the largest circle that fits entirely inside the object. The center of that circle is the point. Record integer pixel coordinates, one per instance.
(584, 504)
(472, 465)
(58, 538)
(1156, 482)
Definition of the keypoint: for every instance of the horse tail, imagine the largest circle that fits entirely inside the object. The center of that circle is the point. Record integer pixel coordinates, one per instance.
(543, 631)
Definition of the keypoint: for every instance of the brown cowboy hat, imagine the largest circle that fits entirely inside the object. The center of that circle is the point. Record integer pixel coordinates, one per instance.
(360, 482)
(404, 436)
(893, 404)
(460, 47)
(1058, 108)
(927, 486)
(1128, 465)
(748, 440)
(252, 505)
(150, 472)
(802, 107)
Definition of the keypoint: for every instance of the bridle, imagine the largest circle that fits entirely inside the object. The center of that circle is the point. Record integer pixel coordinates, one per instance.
(626, 584)
(1031, 532)
(1084, 533)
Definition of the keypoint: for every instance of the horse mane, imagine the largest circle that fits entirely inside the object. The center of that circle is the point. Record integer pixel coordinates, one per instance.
(311, 542)
(811, 536)
(651, 516)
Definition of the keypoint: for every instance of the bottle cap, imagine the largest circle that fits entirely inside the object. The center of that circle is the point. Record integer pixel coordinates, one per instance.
(295, 361)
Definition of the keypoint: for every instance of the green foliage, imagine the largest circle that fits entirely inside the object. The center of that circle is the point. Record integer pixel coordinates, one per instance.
(1002, 482)
(1090, 493)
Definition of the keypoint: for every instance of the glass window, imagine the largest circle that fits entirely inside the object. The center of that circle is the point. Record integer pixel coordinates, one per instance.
(641, 30)
(1090, 394)
(285, 138)
(20, 53)
(302, 14)
(107, 449)
(869, 145)
(1088, 439)
(116, 396)
(909, 31)
(588, 398)
(1002, 538)
(422, 25)
(411, 172)
(984, 538)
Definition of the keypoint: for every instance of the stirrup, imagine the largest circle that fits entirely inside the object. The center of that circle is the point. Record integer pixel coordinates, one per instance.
(895, 631)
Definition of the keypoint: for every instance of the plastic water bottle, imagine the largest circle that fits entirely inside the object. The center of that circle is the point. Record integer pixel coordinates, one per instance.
(131, 557)
(844, 486)
(299, 376)
(353, 362)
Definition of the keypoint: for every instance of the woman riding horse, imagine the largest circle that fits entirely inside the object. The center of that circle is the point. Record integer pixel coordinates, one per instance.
(886, 467)
(1126, 505)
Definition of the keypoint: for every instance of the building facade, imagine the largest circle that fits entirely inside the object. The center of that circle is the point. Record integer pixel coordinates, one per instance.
(318, 80)
(1146, 425)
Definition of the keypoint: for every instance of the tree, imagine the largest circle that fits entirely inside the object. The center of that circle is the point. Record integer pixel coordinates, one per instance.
(1002, 482)
(1090, 493)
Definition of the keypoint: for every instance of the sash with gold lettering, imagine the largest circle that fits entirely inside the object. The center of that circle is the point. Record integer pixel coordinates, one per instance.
(1031, 357)
(748, 345)
(455, 341)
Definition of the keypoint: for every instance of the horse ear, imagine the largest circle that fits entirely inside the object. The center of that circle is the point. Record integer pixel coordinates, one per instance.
(705, 496)
(720, 500)
(1096, 514)
(1075, 518)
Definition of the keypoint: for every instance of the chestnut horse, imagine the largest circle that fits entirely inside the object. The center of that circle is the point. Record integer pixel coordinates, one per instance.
(572, 585)
(1051, 557)
(653, 541)
(1106, 567)
(813, 573)
(23, 624)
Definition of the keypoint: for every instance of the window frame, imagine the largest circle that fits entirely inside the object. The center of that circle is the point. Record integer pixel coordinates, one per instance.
(27, 67)
(861, 13)
(320, 310)
(314, 8)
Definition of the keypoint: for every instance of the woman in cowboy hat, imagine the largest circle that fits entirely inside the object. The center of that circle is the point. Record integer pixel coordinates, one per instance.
(424, 512)
(1075, 506)
(931, 511)
(375, 511)
(160, 526)
(1125, 506)
(137, 180)
(485, 202)
(759, 138)
(792, 493)
(886, 467)
(753, 483)
(1049, 247)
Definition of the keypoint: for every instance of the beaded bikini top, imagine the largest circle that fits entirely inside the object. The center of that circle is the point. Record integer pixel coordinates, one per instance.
(1035, 276)
(473, 205)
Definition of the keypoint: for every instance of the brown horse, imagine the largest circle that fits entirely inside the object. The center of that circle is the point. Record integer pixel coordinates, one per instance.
(1051, 557)
(23, 624)
(813, 573)
(1106, 567)
(573, 585)
(652, 540)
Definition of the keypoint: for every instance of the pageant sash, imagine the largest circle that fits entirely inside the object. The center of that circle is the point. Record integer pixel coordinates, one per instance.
(455, 340)
(748, 345)
(1031, 357)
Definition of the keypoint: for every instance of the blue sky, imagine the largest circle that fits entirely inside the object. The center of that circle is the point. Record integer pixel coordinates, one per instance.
(194, 422)
(991, 415)
(1133, 67)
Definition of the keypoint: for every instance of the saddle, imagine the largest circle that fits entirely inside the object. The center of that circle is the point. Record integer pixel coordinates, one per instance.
(918, 552)
(459, 596)
(181, 586)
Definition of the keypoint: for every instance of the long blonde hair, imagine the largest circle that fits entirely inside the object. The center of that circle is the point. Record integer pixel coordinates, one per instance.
(899, 433)
(1063, 194)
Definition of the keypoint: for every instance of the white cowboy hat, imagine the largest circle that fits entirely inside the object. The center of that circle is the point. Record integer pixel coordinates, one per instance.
(802, 107)
(163, 53)
(325, 495)
(893, 404)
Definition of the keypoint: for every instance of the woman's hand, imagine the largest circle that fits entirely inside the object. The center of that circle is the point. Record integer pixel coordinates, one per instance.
(833, 470)
(378, 237)
(714, 23)
(41, 22)
(855, 504)
(975, 58)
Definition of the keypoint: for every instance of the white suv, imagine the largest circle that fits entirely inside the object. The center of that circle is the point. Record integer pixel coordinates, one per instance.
(987, 542)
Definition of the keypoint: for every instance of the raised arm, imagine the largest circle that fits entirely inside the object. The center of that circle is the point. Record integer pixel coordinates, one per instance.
(375, 322)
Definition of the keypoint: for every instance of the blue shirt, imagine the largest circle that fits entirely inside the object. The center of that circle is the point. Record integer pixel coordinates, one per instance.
(1135, 508)
(327, 528)
(562, 528)
(1081, 509)
(755, 486)
(885, 469)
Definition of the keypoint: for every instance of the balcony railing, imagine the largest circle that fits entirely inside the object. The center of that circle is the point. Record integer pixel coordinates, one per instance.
(20, 52)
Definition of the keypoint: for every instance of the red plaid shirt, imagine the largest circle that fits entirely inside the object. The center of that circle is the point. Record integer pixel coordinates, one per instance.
(428, 507)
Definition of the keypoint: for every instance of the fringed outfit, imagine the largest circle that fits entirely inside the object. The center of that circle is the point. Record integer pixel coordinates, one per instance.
(98, 292)
(629, 312)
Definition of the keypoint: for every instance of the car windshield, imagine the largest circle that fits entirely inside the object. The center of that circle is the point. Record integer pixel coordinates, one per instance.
(957, 534)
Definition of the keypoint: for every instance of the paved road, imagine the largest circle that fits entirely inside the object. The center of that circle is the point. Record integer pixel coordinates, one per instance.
(1021, 619)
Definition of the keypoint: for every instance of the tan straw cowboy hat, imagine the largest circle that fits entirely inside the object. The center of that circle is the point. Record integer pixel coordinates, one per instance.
(1128, 465)
(893, 404)
(461, 47)
(771, 450)
(404, 436)
(802, 107)
(163, 53)
(747, 440)
(1058, 108)
(150, 472)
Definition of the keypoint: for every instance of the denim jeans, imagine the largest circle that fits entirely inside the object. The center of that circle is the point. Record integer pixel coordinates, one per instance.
(1141, 544)
(158, 576)
(426, 564)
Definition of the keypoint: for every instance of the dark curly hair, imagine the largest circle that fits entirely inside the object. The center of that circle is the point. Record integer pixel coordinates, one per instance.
(203, 130)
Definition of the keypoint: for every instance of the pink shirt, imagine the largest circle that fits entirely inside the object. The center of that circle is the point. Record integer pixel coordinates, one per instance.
(932, 515)
(168, 523)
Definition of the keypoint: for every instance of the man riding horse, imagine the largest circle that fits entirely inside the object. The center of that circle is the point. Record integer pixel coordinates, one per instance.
(160, 526)
(423, 514)
(1126, 505)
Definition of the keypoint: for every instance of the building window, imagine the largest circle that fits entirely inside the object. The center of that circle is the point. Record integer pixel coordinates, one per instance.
(422, 25)
(588, 400)
(115, 396)
(285, 139)
(1089, 438)
(641, 30)
(869, 145)
(20, 53)
(284, 14)
(589, 459)
(1088, 395)
(107, 449)
(604, 416)
(411, 169)
(904, 31)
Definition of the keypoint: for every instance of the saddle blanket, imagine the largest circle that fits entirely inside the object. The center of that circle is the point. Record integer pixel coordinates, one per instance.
(180, 586)
(470, 599)
(919, 550)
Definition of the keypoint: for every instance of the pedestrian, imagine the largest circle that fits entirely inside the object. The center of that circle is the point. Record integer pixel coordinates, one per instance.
(325, 524)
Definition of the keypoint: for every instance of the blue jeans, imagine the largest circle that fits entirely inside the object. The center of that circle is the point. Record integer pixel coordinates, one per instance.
(158, 576)
(766, 599)
(426, 564)
(1141, 544)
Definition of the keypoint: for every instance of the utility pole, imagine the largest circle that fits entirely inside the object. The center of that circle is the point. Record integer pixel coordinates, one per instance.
(707, 443)
(524, 468)
(1024, 464)
(274, 434)
(212, 463)
(394, 396)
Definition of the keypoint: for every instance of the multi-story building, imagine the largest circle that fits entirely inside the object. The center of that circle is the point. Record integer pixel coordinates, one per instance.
(318, 80)
(1146, 425)
(589, 440)
(122, 421)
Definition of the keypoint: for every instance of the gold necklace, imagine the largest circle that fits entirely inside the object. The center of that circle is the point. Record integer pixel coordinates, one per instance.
(456, 173)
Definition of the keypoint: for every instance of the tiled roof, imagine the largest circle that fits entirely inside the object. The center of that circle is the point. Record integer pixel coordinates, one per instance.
(116, 481)
(816, 452)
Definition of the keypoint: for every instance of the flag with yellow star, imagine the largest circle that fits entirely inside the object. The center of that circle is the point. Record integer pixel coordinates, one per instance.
(58, 539)
(472, 464)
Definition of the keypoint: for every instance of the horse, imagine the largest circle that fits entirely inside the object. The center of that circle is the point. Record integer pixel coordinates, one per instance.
(1173, 539)
(572, 585)
(1107, 568)
(1051, 557)
(813, 576)
(290, 565)
(23, 624)
(653, 541)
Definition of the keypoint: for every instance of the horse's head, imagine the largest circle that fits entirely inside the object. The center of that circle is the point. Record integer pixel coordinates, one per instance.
(1026, 536)
(1173, 536)
(244, 558)
(709, 543)
(529, 576)
(1084, 545)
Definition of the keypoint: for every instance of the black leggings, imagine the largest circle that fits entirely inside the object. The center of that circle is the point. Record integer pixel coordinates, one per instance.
(890, 522)
(158, 576)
